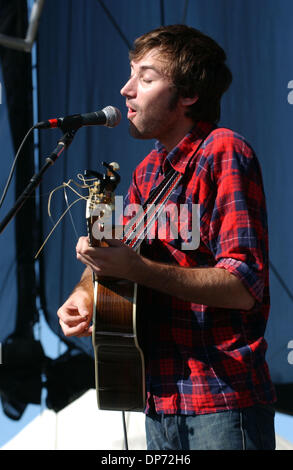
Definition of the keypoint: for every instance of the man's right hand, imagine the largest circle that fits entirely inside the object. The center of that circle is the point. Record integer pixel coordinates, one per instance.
(75, 315)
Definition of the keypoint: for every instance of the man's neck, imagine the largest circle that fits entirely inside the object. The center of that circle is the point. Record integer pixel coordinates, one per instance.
(176, 135)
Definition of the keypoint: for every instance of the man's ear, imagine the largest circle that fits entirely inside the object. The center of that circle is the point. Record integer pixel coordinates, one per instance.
(188, 101)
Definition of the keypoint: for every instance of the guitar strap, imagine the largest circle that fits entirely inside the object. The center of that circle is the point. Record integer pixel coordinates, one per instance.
(136, 231)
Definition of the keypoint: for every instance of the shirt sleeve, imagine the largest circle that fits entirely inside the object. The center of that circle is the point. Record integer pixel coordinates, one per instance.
(238, 233)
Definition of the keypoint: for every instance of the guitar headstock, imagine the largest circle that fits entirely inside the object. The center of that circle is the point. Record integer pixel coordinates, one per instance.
(101, 202)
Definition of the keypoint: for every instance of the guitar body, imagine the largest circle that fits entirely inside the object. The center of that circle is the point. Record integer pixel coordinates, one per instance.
(119, 360)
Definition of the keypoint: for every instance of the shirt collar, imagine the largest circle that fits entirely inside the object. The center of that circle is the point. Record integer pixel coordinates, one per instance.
(180, 155)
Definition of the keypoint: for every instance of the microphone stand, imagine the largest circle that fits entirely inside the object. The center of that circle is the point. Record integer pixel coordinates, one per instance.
(63, 144)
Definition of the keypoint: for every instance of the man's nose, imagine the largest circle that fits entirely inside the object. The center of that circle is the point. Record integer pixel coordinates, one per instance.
(129, 89)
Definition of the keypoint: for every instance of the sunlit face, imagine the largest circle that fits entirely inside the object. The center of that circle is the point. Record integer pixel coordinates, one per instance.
(150, 99)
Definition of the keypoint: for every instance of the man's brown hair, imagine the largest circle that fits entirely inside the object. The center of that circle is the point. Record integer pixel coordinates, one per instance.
(195, 64)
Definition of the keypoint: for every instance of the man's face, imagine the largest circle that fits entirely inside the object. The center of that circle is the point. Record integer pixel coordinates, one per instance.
(151, 99)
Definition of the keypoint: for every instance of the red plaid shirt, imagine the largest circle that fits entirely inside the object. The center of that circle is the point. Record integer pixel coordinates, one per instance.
(201, 359)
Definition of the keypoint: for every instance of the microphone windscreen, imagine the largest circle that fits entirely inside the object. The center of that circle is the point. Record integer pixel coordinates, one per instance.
(113, 116)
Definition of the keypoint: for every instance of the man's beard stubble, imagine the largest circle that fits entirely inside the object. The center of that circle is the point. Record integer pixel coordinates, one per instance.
(145, 134)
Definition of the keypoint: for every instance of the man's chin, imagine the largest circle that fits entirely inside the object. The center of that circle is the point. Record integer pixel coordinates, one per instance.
(136, 133)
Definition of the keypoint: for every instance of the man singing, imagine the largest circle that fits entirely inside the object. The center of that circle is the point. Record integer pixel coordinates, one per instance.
(208, 384)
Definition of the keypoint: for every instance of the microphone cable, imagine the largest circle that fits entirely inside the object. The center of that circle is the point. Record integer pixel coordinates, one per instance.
(124, 431)
(13, 166)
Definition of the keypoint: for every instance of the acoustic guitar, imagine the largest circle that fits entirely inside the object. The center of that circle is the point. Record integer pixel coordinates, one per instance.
(116, 337)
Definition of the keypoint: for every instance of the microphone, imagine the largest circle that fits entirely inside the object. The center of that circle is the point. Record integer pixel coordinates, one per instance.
(109, 116)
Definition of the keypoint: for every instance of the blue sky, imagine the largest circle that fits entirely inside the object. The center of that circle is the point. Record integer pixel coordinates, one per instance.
(284, 426)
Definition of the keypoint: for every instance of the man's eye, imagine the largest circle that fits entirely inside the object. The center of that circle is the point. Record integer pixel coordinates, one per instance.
(146, 80)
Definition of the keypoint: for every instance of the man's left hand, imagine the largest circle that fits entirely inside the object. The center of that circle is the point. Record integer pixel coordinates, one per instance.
(114, 260)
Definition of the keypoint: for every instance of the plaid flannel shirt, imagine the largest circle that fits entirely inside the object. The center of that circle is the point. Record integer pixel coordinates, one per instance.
(201, 359)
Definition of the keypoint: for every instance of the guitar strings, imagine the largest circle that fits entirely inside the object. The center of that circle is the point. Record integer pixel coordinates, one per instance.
(136, 231)
(70, 214)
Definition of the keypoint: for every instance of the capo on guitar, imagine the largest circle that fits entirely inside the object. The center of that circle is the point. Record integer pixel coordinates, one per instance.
(107, 181)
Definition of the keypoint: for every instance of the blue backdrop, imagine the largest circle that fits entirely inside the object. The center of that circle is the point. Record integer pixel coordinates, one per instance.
(82, 65)
(8, 282)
